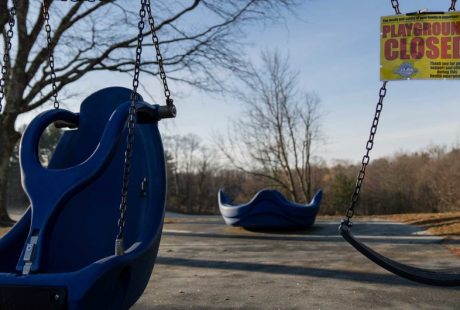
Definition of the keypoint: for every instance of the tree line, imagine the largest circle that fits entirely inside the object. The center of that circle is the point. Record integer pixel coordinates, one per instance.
(419, 182)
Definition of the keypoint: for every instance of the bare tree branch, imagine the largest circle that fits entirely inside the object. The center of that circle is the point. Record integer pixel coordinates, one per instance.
(201, 41)
(277, 132)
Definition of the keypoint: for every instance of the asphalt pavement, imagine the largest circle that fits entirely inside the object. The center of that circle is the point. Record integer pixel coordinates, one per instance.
(204, 264)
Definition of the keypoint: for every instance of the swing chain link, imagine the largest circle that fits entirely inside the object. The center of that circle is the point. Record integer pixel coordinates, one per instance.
(452, 6)
(365, 161)
(6, 55)
(46, 17)
(119, 241)
(395, 5)
(156, 43)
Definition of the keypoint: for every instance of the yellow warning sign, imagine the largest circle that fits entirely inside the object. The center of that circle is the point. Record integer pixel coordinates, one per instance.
(420, 46)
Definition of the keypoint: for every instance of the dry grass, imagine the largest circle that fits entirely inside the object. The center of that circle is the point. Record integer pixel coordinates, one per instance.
(440, 224)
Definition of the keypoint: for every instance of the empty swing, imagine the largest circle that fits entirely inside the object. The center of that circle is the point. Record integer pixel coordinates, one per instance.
(60, 254)
(440, 277)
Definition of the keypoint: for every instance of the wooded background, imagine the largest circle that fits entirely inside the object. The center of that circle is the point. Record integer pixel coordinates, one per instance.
(425, 181)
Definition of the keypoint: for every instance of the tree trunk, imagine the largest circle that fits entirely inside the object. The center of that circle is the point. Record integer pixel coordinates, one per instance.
(309, 193)
(7, 143)
(3, 14)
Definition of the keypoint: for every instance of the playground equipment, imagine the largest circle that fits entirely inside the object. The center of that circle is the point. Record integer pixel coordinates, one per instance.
(60, 255)
(269, 209)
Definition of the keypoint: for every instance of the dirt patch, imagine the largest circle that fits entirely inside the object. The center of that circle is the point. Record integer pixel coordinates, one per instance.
(3, 231)
(168, 220)
(454, 249)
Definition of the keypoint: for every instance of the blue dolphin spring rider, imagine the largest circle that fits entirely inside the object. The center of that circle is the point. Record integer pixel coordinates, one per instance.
(60, 255)
(440, 277)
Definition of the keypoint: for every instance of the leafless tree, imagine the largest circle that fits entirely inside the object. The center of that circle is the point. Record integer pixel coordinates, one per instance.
(276, 136)
(199, 40)
(192, 171)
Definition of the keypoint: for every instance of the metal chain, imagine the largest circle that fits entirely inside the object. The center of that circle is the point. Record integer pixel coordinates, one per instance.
(365, 161)
(159, 57)
(6, 55)
(119, 246)
(395, 5)
(370, 143)
(46, 16)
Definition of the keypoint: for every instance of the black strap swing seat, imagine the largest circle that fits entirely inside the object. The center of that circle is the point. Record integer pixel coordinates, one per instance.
(60, 255)
(440, 277)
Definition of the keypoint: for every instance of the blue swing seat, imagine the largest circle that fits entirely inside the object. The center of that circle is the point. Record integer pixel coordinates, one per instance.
(269, 209)
(60, 255)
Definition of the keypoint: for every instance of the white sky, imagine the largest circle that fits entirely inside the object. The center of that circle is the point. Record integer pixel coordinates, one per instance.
(335, 46)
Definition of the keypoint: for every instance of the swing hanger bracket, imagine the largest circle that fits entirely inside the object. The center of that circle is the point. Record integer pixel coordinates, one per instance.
(148, 115)
(345, 224)
(168, 110)
(424, 12)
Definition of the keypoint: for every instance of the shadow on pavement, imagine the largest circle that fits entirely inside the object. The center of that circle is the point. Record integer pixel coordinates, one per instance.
(288, 270)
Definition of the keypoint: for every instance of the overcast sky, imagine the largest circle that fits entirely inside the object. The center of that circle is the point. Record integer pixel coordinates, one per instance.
(335, 46)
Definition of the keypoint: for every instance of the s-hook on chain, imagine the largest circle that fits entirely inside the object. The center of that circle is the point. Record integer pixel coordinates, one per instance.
(119, 244)
(452, 6)
(365, 161)
(46, 17)
(6, 55)
(395, 5)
